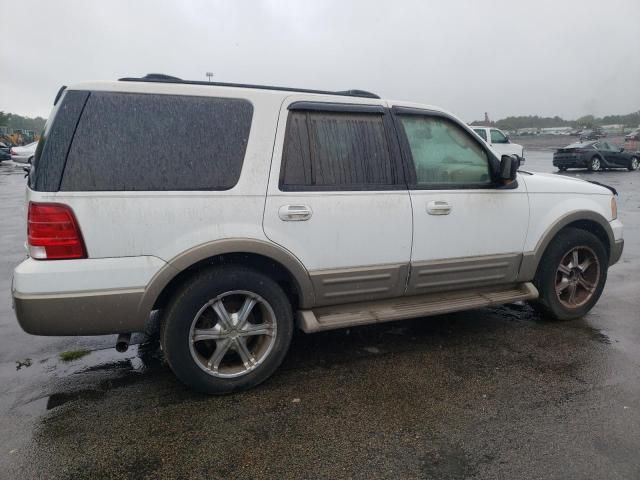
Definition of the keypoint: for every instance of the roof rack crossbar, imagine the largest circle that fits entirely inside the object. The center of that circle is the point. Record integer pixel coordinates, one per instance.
(162, 78)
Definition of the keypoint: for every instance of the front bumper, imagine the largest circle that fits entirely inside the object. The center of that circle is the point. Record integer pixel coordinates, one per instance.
(82, 297)
(616, 251)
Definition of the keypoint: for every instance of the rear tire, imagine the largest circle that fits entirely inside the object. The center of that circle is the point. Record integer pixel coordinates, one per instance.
(227, 329)
(634, 163)
(594, 164)
(571, 274)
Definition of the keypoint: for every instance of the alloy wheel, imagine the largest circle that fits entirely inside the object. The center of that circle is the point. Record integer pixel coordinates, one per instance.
(577, 277)
(634, 163)
(595, 164)
(233, 334)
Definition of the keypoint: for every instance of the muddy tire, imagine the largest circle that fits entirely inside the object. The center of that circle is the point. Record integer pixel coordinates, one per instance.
(227, 329)
(571, 274)
(634, 163)
(594, 164)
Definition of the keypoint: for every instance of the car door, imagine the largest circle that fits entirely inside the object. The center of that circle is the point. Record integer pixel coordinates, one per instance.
(337, 198)
(468, 231)
(618, 158)
(607, 152)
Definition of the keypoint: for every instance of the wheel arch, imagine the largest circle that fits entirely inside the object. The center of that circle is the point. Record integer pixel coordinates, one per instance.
(263, 256)
(589, 221)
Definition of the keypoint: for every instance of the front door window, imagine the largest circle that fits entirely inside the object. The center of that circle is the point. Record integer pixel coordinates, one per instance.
(443, 154)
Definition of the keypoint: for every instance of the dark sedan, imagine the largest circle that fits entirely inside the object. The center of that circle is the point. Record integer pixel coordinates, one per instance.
(4, 152)
(595, 155)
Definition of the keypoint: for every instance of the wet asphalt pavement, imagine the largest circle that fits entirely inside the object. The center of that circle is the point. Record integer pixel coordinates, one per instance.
(491, 393)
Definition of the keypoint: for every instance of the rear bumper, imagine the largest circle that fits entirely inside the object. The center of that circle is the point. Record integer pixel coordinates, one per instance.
(81, 313)
(82, 297)
(570, 162)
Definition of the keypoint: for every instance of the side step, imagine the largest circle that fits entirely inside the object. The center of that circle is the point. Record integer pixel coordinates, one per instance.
(363, 313)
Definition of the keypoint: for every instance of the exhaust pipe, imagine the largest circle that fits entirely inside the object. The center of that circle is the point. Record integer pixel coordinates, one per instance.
(122, 343)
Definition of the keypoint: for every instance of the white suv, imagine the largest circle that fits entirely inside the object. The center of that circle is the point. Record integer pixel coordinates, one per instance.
(500, 141)
(238, 211)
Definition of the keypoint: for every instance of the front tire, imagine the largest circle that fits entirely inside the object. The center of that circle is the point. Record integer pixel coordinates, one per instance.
(571, 274)
(594, 164)
(227, 329)
(633, 164)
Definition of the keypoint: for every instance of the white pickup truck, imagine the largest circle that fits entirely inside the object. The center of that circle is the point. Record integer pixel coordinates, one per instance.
(499, 141)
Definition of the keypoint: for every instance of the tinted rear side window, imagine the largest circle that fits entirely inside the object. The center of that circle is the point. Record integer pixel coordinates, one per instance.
(127, 141)
(48, 162)
(341, 151)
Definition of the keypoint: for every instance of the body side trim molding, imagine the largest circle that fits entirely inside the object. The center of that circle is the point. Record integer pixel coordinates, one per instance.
(464, 272)
(342, 285)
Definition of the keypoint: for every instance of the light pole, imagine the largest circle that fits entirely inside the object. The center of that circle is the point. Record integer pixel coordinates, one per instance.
(209, 75)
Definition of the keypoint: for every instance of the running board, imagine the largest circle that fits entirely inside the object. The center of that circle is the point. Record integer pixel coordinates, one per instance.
(363, 313)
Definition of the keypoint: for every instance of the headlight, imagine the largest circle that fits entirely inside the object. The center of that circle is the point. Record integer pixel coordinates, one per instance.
(614, 208)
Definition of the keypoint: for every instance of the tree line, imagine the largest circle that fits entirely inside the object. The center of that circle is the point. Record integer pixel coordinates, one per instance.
(15, 121)
(589, 121)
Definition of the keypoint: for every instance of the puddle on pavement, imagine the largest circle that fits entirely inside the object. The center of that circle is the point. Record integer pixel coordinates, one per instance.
(87, 378)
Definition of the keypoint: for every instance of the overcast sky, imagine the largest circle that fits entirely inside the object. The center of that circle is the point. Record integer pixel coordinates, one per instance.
(538, 57)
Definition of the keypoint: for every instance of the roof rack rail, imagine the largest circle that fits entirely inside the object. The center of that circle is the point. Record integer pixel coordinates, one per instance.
(162, 78)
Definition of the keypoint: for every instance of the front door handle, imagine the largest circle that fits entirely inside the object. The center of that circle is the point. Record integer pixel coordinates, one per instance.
(295, 213)
(438, 207)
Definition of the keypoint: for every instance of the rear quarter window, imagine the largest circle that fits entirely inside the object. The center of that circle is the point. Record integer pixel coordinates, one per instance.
(50, 156)
(148, 142)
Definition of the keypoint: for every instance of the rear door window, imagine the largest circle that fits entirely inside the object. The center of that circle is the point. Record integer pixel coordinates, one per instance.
(482, 132)
(337, 151)
(148, 142)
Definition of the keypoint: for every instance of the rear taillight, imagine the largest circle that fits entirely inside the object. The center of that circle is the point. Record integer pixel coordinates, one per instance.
(53, 232)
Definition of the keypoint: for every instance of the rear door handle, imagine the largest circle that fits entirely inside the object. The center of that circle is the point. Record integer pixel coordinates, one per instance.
(295, 213)
(438, 207)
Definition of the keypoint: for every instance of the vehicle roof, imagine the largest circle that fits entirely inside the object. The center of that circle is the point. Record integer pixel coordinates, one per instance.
(154, 80)
(582, 144)
(162, 84)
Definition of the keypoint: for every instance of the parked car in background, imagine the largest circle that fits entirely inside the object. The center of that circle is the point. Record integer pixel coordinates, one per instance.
(634, 135)
(23, 154)
(593, 134)
(499, 141)
(595, 155)
(4, 152)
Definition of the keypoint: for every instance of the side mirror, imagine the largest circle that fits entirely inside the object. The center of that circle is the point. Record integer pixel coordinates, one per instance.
(507, 138)
(509, 167)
